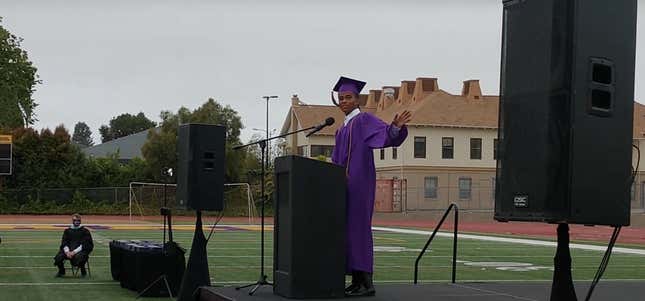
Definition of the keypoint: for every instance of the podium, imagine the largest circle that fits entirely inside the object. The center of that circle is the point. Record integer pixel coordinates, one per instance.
(309, 228)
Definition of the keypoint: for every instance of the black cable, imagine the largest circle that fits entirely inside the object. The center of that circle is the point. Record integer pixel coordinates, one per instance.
(614, 237)
(638, 161)
(604, 262)
(221, 214)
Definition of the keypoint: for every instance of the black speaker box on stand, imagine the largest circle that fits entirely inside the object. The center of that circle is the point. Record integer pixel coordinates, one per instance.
(200, 166)
(566, 111)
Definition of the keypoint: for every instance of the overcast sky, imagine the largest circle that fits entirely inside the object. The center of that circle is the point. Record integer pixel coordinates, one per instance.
(98, 59)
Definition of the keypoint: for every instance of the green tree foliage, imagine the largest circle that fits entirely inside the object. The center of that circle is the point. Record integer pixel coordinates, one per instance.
(160, 150)
(124, 125)
(17, 83)
(49, 159)
(46, 159)
(82, 135)
(109, 172)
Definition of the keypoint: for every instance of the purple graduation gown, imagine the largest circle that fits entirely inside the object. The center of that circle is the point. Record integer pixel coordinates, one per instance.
(367, 133)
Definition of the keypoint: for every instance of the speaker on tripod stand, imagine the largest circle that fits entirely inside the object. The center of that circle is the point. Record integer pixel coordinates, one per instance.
(566, 120)
(200, 186)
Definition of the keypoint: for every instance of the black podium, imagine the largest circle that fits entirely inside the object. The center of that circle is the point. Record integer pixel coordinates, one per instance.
(309, 228)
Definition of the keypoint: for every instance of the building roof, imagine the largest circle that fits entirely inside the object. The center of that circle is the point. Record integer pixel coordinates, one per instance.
(128, 147)
(312, 115)
(430, 106)
(441, 108)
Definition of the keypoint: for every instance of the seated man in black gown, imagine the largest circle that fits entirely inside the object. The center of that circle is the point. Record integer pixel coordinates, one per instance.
(75, 246)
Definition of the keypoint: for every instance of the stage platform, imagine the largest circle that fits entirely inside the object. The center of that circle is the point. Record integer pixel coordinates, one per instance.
(468, 291)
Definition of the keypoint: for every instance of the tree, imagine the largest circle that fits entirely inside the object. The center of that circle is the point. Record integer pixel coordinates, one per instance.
(160, 150)
(49, 159)
(18, 79)
(82, 135)
(46, 160)
(125, 125)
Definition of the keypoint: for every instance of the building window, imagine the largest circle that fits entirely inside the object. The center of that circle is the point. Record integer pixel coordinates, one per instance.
(430, 187)
(322, 150)
(475, 148)
(465, 187)
(394, 153)
(382, 154)
(495, 145)
(419, 147)
(301, 150)
(447, 147)
(633, 191)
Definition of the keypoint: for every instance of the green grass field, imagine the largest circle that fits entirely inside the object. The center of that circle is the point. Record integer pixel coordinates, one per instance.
(27, 273)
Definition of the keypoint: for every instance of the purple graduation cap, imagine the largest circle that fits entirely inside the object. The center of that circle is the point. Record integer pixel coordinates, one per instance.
(346, 84)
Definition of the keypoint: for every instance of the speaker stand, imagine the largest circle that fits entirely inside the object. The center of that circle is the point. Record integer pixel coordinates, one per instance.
(165, 280)
(562, 288)
(262, 280)
(167, 216)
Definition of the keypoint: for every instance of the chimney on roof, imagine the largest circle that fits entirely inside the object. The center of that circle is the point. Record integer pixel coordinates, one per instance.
(373, 99)
(406, 92)
(388, 97)
(362, 100)
(471, 89)
(423, 87)
(295, 101)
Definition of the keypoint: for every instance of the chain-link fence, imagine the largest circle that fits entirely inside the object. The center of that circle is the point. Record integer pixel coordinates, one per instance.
(100, 200)
(474, 197)
(137, 200)
(468, 197)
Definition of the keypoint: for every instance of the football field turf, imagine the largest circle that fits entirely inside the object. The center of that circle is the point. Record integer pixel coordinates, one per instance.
(27, 273)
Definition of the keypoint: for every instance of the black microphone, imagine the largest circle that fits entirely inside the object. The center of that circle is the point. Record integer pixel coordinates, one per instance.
(329, 121)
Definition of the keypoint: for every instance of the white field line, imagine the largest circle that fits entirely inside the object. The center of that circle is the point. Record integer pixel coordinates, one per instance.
(378, 266)
(55, 283)
(403, 281)
(461, 281)
(532, 242)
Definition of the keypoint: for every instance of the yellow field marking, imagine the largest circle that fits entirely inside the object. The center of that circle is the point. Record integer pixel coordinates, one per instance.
(27, 227)
(389, 239)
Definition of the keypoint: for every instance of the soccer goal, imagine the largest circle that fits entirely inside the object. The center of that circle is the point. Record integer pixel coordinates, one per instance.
(147, 198)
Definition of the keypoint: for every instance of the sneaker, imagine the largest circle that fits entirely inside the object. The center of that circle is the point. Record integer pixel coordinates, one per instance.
(83, 272)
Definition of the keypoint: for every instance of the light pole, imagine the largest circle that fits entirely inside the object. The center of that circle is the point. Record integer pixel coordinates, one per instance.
(267, 98)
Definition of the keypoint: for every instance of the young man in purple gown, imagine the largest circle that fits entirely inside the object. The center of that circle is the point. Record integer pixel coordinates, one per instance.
(356, 139)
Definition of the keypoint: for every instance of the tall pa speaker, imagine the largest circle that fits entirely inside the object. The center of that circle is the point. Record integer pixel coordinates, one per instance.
(200, 166)
(566, 111)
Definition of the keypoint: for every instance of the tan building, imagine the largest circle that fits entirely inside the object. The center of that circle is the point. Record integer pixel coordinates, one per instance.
(449, 155)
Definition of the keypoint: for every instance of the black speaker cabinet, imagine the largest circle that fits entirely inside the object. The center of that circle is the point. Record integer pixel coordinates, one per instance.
(200, 166)
(309, 228)
(566, 111)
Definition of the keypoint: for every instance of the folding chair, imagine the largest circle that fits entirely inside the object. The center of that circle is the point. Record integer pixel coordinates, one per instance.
(76, 270)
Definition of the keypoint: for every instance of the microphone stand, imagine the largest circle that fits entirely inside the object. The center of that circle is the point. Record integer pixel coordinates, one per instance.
(263, 143)
(167, 216)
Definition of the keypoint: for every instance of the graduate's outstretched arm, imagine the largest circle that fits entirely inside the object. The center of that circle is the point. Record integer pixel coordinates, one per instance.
(378, 134)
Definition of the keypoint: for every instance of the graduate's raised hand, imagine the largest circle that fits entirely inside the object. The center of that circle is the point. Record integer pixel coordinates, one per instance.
(402, 119)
